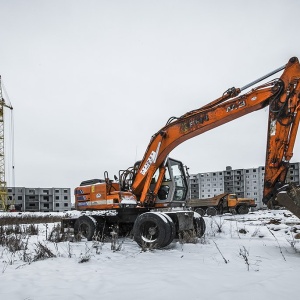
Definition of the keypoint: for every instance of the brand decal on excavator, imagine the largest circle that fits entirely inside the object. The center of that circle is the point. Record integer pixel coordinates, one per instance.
(193, 122)
(148, 163)
(239, 104)
(99, 202)
(151, 159)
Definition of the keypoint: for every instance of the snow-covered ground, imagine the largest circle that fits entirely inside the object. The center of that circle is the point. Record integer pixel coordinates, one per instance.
(255, 256)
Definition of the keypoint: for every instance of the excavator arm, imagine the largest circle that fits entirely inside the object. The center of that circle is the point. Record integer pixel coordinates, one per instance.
(282, 97)
(284, 117)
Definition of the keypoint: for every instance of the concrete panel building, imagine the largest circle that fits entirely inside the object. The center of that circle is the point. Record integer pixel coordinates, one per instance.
(246, 183)
(40, 199)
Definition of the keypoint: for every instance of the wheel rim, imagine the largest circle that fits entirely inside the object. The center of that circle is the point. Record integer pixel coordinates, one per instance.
(84, 229)
(149, 232)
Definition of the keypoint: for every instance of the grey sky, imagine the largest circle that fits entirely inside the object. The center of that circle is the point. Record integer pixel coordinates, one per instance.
(91, 81)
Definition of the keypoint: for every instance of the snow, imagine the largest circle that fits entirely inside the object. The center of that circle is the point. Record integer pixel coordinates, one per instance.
(213, 268)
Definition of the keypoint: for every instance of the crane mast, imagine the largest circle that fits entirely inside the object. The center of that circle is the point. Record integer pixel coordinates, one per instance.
(3, 187)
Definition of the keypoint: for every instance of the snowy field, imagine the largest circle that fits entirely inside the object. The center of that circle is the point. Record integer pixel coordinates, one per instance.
(255, 256)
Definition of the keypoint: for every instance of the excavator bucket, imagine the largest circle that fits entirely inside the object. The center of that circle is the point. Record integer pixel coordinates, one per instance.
(290, 198)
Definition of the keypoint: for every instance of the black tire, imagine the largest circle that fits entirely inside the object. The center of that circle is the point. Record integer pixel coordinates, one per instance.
(169, 240)
(243, 210)
(211, 211)
(85, 225)
(199, 225)
(151, 230)
(220, 208)
(200, 211)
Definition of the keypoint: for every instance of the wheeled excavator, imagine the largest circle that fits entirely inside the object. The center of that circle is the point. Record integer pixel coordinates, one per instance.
(149, 198)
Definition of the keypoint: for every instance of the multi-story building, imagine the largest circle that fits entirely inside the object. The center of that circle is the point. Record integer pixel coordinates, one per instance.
(40, 199)
(246, 183)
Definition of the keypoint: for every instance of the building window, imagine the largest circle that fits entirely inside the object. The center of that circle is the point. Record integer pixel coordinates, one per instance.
(65, 204)
(46, 192)
(9, 190)
(65, 191)
(31, 191)
(56, 197)
(31, 204)
(46, 205)
(56, 204)
(20, 198)
(56, 191)
(46, 198)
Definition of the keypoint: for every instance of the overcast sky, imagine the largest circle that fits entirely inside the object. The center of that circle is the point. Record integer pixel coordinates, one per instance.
(92, 81)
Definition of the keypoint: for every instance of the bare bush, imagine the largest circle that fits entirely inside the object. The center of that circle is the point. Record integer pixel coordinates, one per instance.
(244, 253)
(86, 256)
(32, 229)
(42, 252)
(188, 237)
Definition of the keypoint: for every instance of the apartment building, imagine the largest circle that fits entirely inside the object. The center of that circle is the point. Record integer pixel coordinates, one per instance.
(246, 183)
(40, 199)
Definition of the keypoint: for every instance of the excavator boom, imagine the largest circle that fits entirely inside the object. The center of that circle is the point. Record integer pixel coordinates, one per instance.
(282, 97)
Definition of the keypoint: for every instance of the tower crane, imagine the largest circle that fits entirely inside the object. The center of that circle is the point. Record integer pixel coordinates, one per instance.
(3, 186)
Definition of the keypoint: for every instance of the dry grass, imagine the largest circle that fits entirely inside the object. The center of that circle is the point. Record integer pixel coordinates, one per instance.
(28, 219)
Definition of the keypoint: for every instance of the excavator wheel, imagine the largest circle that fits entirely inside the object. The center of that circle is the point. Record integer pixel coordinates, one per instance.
(85, 225)
(169, 240)
(152, 229)
(199, 225)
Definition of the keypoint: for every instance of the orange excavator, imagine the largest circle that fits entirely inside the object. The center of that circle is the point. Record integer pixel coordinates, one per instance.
(149, 198)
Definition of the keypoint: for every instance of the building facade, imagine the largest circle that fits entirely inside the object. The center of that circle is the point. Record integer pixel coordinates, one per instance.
(246, 183)
(40, 199)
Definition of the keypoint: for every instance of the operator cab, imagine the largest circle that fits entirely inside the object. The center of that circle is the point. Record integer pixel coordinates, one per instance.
(174, 188)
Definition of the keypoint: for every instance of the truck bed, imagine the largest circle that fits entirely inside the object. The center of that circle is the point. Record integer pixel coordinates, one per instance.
(206, 202)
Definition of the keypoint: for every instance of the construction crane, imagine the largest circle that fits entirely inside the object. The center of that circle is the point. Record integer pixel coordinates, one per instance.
(3, 186)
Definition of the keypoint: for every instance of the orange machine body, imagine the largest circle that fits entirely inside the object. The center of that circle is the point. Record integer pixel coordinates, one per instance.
(102, 196)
